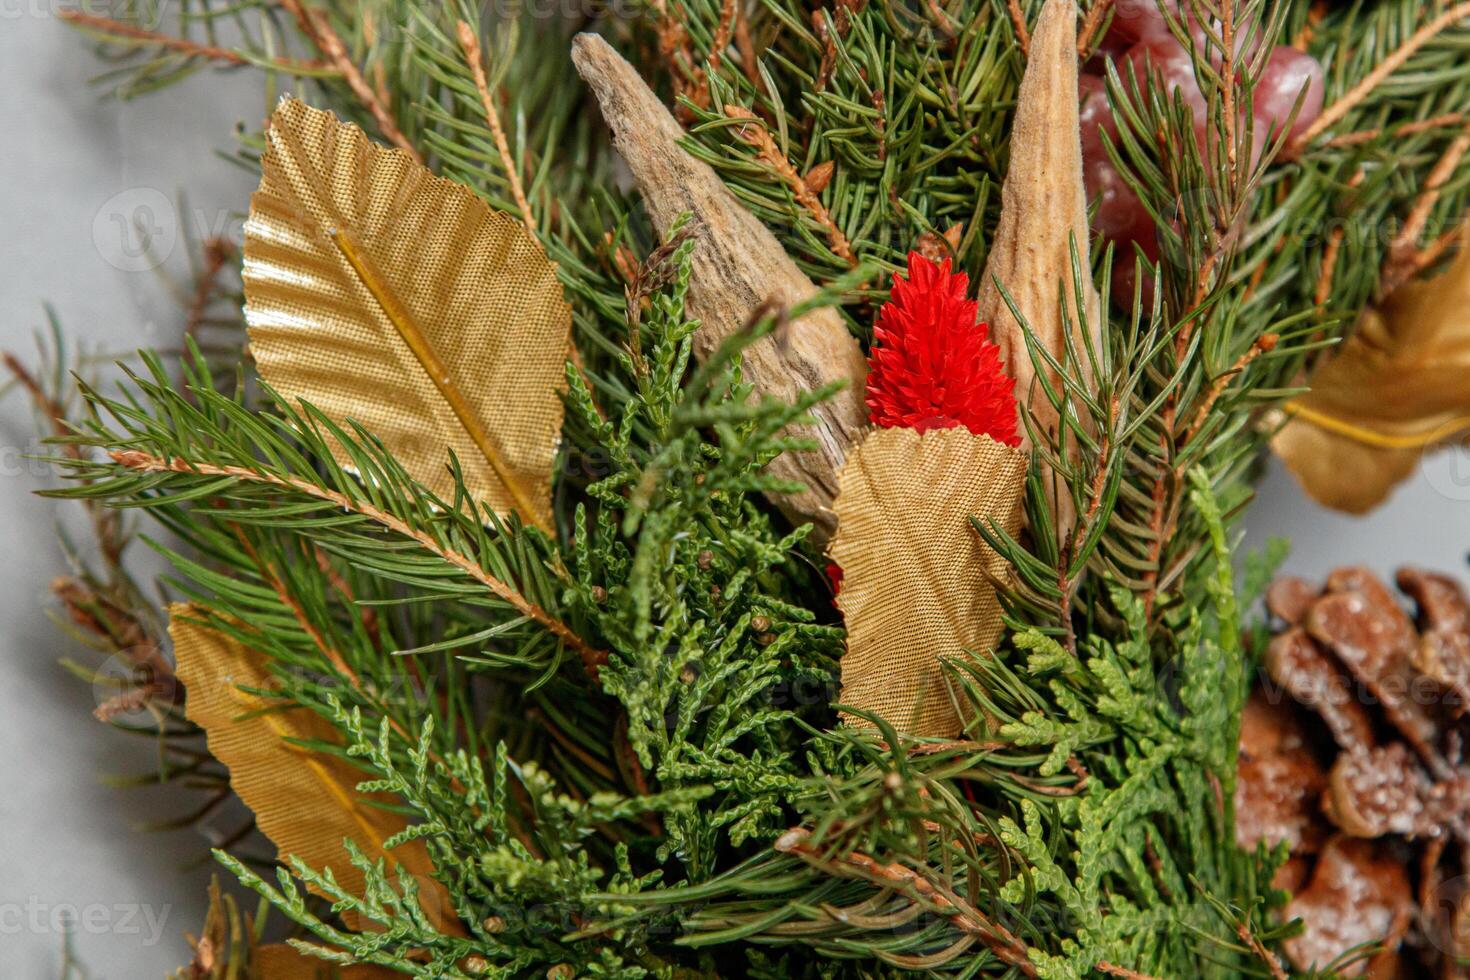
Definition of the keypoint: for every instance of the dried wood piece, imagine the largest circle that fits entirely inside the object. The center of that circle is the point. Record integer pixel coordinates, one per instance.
(1043, 211)
(738, 265)
(1299, 665)
(1358, 894)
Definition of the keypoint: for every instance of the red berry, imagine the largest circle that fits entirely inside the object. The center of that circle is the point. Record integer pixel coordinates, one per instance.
(1287, 72)
(1138, 19)
(1120, 214)
(1095, 115)
(1171, 67)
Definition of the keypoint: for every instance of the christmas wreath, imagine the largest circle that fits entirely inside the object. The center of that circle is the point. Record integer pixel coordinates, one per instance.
(748, 488)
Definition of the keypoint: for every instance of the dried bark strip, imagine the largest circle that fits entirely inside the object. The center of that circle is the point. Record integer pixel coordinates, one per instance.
(738, 265)
(1043, 211)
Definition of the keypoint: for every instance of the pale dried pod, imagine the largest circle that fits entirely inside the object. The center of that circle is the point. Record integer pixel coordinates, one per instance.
(738, 266)
(1043, 213)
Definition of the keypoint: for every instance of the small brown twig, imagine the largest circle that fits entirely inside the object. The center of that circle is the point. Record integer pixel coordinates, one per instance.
(330, 44)
(753, 132)
(1112, 969)
(182, 45)
(1018, 21)
(1264, 954)
(1330, 252)
(592, 658)
(1406, 129)
(1264, 344)
(745, 45)
(1402, 260)
(1090, 24)
(917, 886)
(1350, 100)
(469, 42)
(217, 251)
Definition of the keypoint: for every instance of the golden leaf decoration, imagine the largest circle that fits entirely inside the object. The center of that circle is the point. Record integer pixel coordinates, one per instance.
(917, 579)
(306, 802)
(279, 961)
(383, 294)
(1399, 386)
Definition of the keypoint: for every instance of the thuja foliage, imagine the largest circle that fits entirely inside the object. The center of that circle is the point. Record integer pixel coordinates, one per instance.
(619, 740)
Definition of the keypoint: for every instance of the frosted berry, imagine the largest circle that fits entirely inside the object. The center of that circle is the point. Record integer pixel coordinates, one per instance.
(1287, 72)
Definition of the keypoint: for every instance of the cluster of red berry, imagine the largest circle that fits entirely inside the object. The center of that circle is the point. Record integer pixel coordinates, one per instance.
(1140, 38)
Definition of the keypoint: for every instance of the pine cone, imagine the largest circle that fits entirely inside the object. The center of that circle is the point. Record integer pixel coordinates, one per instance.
(1352, 753)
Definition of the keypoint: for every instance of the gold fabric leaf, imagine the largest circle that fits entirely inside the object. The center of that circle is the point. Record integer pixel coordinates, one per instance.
(1398, 387)
(383, 294)
(280, 961)
(306, 802)
(916, 576)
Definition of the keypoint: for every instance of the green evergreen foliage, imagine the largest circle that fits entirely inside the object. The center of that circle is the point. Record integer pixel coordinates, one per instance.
(678, 800)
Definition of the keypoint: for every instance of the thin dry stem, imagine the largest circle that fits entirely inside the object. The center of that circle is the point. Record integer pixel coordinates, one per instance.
(1112, 969)
(1264, 344)
(1006, 946)
(1351, 99)
(1018, 21)
(183, 45)
(753, 132)
(1264, 954)
(469, 42)
(1330, 252)
(1403, 251)
(330, 44)
(1090, 24)
(148, 463)
(1407, 129)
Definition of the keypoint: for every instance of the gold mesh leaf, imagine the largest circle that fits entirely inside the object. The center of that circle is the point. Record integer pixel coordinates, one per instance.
(383, 294)
(1399, 386)
(279, 961)
(915, 589)
(306, 802)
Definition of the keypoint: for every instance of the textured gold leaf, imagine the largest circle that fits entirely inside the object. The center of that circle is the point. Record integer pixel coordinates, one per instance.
(915, 589)
(305, 802)
(1398, 387)
(385, 295)
(279, 961)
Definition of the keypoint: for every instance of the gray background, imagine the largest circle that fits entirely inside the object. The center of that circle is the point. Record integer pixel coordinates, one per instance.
(73, 164)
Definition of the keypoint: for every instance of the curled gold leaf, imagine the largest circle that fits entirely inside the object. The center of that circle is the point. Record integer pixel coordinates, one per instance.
(917, 579)
(305, 801)
(1398, 387)
(387, 296)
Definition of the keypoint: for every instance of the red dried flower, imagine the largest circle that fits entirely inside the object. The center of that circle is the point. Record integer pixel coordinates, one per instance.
(932, 366)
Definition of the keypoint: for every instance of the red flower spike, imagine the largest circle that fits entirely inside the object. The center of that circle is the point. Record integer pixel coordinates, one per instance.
(932, 366)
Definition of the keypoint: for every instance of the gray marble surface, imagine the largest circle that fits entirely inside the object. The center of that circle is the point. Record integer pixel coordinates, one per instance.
(78, 171)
